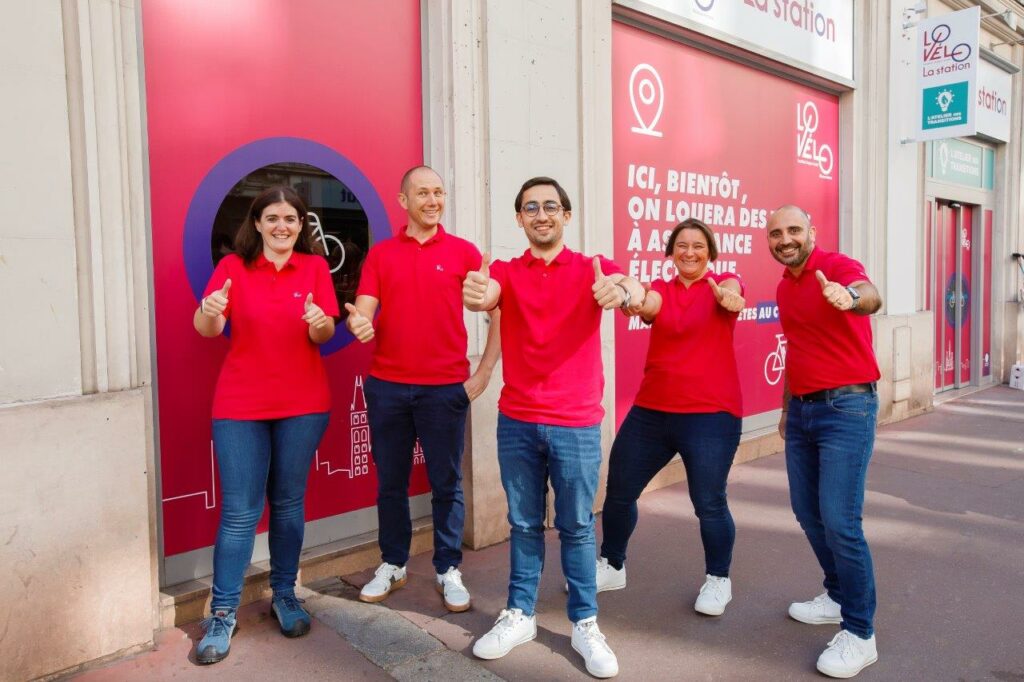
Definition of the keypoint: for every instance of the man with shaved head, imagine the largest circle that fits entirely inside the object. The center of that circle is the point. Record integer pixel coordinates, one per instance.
(830, 404)
(419, 389)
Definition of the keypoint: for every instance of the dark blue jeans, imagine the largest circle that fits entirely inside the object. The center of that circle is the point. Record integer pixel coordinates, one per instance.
(646, 442)
(257, 460)
(398, 414)
(828, 446)
(570, 457)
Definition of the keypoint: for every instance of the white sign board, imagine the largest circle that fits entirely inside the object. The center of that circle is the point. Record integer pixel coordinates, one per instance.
(814, 33)
(947, 63)
(993, 101)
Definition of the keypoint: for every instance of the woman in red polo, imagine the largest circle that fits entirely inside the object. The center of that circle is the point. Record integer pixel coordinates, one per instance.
(270, 407)
(688, 403)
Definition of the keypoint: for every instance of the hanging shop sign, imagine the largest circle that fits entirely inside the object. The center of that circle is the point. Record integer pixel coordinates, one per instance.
(816, 35)
(687, 144)
(947, 64)
(995, 87)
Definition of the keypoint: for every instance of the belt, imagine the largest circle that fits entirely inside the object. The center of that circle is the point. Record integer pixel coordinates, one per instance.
(829, 393)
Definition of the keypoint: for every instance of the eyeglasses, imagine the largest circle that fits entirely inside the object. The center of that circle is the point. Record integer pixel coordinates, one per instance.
(532, 208)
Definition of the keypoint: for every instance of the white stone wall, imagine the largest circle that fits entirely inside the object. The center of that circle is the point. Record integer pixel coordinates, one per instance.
(77, 511)
(39, 342)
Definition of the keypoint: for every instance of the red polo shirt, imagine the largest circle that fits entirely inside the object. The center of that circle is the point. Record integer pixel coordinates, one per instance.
(826, 348)
(691, 364)
(420, 333)
(551, 339)
(272, 369)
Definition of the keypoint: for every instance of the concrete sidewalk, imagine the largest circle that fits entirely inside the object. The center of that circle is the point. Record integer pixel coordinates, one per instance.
(944, 516)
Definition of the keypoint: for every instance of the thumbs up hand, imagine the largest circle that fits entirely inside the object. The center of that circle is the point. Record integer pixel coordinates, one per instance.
(358, 324)
(215, 304)
(314, 316)
(727, 297)
(474, 287)
(835, 293)
(607, 294)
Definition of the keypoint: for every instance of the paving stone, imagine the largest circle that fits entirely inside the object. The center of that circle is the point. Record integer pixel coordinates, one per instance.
(443, 666)
(380, 634)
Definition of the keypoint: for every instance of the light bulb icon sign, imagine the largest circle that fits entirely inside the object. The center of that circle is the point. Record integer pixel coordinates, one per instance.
(647, 97)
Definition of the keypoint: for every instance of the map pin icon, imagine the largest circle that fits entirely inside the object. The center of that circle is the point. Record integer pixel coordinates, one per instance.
(647, 97)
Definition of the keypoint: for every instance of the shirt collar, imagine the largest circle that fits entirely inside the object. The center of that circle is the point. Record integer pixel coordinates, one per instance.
(438, 236)
(262, 262)
(563, 257)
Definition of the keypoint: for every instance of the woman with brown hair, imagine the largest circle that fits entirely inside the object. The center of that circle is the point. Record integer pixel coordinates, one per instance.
(271, 403)
(689, 403)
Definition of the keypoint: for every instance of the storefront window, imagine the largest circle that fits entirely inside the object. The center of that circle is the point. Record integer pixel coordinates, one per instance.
(337, 219)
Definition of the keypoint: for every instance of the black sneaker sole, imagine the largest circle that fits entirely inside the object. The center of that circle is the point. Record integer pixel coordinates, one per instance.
(301, 628)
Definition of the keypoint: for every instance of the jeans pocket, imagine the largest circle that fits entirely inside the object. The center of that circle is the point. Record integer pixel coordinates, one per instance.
(854, 404)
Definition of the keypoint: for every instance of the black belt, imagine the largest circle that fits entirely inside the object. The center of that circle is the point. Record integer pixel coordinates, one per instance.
(830, 393)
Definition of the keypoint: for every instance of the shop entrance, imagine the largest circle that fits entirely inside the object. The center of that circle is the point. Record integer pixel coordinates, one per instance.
(951, 287)
(958, 291)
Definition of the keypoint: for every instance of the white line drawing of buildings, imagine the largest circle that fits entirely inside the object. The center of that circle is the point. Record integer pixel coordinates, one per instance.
(359, 437)
(361, 445)
(359, 430)
(209, 496)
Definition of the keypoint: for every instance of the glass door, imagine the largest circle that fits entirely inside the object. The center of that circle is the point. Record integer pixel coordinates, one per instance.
(950, 293)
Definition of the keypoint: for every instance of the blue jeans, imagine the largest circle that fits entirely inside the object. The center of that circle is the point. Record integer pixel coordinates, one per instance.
(398, 414)
(828, 446)
(257, 460)
(647, 441)
(528, 455)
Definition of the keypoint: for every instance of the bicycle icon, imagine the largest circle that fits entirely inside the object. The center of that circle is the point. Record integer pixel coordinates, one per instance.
(775, 363)
(335, 258)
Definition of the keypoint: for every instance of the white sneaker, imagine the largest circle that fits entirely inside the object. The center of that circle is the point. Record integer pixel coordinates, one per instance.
(847, 654)
(715, 593)
(510, 630)
(456, 596)
(818, 611)
(591, 645)
(386, 578)
(608, 577)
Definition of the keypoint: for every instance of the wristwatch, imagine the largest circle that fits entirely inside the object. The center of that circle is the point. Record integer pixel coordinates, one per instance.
(855, 295)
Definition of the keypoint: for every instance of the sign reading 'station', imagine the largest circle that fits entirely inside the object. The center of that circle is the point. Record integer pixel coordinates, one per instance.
(947, 62)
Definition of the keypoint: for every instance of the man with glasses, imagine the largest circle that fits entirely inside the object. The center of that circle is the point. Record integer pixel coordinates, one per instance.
(549, 423)
(828, 421)
(411, 392)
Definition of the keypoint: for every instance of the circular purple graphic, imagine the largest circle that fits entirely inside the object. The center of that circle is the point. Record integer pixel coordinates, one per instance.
(248, 158)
